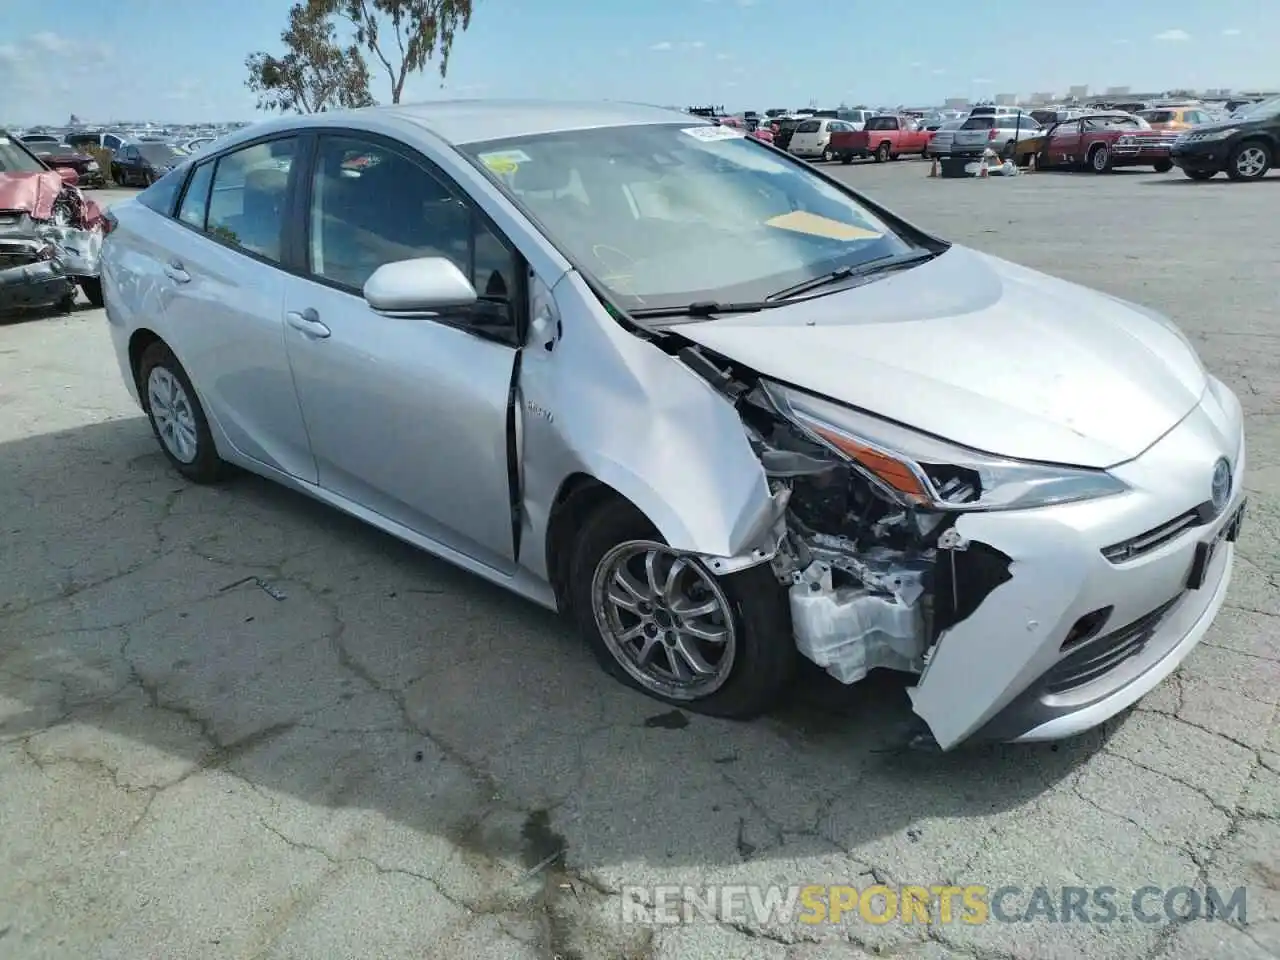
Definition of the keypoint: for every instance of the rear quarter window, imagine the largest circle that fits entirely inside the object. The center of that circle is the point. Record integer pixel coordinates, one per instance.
(163, 194)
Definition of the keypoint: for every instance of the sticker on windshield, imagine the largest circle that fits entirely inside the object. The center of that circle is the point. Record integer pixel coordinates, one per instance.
(713, 132)
(800, 221)
(504, 162)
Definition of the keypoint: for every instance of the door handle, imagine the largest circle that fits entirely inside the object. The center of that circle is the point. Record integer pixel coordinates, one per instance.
(308, 322)
(176, 272)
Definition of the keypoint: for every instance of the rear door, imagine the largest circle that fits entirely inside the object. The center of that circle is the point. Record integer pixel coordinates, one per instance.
(222, 293)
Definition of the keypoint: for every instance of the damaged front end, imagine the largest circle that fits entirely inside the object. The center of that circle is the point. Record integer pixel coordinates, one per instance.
(885, 549)
(50, 241)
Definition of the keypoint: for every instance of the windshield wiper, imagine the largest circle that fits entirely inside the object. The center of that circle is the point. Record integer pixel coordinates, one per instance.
(700, 308)
(867, 269)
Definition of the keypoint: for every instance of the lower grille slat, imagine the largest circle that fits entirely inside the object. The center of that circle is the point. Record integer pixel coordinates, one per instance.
(1099, 656)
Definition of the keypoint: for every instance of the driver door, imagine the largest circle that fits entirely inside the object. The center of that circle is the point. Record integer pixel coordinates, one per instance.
(1064, 142)
(408, 417)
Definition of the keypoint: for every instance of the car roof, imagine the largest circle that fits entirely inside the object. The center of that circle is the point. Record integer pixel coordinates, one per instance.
(459, 122)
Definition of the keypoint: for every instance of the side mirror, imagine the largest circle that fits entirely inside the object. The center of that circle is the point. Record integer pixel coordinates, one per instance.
(423, 286)
(68, 175)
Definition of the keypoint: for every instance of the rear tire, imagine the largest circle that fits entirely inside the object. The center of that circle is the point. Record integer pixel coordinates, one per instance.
(883, 153)
(757, 621)
(826, 154)
(846, 158)
(177, 419)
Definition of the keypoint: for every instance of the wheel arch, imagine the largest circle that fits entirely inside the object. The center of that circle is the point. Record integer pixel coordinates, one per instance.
(139, 341)
(579, 494)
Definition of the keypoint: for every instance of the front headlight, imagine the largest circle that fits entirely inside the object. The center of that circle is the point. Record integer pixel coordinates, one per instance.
(1125, 142)
(921, 470)
(91, 165)
(1214, 135)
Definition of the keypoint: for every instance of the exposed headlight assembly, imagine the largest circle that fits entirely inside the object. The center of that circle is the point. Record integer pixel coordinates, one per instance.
(920, 470)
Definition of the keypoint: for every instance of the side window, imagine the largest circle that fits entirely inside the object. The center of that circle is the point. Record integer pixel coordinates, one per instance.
(112, 143)
(195, 202)
(162, 194)
(129, 153)
(371, 205)
(246, 202)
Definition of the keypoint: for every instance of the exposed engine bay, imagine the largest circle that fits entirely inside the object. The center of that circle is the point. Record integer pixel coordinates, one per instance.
(50, 241)
(872, 582)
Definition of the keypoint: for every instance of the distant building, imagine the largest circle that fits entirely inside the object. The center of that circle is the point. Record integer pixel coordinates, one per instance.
(1006, 99)
(1117, 92)
(956, 103)
(1078, 92)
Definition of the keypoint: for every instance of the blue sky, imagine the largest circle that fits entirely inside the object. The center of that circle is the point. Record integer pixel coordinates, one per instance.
(183, 61)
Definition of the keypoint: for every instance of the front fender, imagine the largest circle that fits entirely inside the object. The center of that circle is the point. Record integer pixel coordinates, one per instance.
(600, 401)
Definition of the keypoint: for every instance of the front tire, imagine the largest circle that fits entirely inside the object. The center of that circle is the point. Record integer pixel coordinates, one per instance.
(1201, 174)
(663, 624)
(826, 155)
(92, 288)
(1164, 166)
(1100, 159)
(1249, 161)
(177, 419)
(883, 153)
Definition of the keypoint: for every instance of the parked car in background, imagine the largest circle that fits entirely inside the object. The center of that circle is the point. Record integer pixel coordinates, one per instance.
(1244, 146)
(939, 144)
(1001, 132)
(855, 116)
(111, 142)
(1175, 118)
(812, 139)
(754, 130)
(50, 233)
(30, 139)
(1046, 116)
(784, 128)
(89, 172)
(142, 164)
(776, 423)
(884, 137)
(1104, 141)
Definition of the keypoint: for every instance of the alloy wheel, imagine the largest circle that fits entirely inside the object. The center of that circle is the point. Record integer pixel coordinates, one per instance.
(174, 418)
(665, 619)
(1251, 162)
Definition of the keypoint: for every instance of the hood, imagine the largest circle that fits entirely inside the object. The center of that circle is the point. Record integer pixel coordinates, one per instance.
(32, 193)
(984, 353)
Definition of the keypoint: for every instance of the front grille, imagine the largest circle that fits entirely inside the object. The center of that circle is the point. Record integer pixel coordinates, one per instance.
(1094, 658)
(1155, 537)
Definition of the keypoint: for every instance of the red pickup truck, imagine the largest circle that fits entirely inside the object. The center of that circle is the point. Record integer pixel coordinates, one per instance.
(885, 138)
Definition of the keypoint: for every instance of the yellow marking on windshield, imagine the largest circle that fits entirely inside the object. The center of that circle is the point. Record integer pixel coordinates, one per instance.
(801, 221)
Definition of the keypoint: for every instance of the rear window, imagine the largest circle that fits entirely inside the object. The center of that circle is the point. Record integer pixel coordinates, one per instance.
(882, 123)
(784, 125)
(979, 123)
(1158, 116)
(809, 126)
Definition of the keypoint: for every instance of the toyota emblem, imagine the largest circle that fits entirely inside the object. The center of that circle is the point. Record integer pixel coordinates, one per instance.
(1220, 491)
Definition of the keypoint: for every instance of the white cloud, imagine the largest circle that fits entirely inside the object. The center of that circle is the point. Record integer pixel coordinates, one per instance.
(697, 45)
(663, 45)
(724, 56)
(915, 64)
(937, 71)
(1176, 35)
(980, 80)
(51, 43)
(1231, 32)
(746, 3)
(1120, 43)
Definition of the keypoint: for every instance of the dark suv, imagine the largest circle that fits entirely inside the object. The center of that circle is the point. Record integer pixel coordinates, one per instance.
(1244, 146)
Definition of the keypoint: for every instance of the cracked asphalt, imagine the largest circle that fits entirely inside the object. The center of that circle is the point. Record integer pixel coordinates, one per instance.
(236, 724)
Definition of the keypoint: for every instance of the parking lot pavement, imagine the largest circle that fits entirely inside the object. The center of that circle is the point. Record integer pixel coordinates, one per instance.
(235, 724)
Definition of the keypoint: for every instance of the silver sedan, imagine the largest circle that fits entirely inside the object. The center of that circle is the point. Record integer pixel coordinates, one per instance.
(718, 409)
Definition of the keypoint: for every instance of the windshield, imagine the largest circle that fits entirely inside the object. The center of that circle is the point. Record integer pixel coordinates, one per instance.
(665, 215)
(1262, 110)
(15, 159)
(158, 152)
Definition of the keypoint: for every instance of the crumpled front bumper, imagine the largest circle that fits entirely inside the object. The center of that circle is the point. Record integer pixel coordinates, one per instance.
(43, 263)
